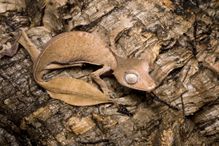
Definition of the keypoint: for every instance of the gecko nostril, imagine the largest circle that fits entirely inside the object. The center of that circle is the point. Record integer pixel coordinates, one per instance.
(131, 78)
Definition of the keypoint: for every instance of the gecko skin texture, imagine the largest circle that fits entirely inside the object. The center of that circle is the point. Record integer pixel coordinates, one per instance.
(72, 48)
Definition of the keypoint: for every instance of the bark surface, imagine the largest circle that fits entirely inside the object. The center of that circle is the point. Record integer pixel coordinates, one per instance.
(182, 110)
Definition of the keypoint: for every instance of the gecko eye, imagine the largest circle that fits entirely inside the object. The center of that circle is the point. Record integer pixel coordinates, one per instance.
(131, 78)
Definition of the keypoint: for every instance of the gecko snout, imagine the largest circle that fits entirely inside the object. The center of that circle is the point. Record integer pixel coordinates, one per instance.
(150, 84)
(135, 80)
(134, 73)
(140, 82)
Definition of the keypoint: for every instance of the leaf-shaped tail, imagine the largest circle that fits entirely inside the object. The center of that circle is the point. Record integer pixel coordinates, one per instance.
(73, 91)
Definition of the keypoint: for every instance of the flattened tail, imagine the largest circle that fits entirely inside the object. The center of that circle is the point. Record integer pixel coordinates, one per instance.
(73, 91)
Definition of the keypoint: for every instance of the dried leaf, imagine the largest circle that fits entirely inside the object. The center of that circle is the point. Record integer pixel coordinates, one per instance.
(75, 92)
(51, 18)
(6, 5)
(9, 45)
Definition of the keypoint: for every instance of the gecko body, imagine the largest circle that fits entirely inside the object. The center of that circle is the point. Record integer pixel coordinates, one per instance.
(72, 48)
(77, 47)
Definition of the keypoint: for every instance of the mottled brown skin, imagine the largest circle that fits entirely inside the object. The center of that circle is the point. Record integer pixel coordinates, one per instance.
(74, 48)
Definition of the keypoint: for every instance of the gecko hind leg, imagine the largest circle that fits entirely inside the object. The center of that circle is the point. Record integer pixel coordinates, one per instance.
(96, 77)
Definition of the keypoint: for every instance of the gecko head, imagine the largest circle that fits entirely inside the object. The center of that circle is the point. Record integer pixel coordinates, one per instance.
(134, 73)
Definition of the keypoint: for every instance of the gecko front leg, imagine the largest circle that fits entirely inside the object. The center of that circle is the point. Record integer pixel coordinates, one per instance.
(96, 77)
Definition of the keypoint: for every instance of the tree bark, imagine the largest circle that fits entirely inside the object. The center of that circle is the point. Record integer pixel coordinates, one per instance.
(182, 110)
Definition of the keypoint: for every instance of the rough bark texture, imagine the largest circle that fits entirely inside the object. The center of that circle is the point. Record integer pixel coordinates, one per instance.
(182, 110)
